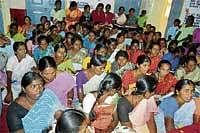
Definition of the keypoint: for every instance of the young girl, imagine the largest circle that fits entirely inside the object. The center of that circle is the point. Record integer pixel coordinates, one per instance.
(111, 44)
(166, 80)
(130, 77)
(134, 51)
(63, 64)
(122, 63)
(154, 56)
(89, 42)
(27, 27)
(16, 67)
(120, 41)
(43, 49)
(100, 49)
(96, 67)
(57, 14)
(77, 53)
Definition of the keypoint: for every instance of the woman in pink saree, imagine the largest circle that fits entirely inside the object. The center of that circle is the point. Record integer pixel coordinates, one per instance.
(137, 109)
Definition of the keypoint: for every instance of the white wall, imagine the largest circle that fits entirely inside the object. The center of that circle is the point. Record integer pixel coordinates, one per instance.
(17, 4)
(5, 13)
(147, 5)
(158, 13)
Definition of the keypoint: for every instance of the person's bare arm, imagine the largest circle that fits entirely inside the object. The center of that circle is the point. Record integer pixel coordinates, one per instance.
(151, 124)
(80, 94)
(196, 118)
(19, 131)
(115, 120)
(169, 124)
(177, 35)
(9, 96)
(70, 96)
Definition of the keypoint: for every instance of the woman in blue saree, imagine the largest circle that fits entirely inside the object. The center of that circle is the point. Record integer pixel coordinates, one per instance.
(180, 109)
(35, 107)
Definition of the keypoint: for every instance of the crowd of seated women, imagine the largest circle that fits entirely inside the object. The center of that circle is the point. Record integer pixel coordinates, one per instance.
(77, 73)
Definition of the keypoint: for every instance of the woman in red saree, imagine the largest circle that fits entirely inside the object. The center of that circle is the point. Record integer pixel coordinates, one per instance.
(134, 51)
(166, 80)
(155, 57)
(130, 77)
(98, 15)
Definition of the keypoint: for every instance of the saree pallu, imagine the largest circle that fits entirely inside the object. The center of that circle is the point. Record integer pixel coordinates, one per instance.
(121, 20)
(160, 123)
(163, 87)
(73, 16)
(41, 116)
(104, 118)
(128, 81)
(93, 83)
(129, 66)
(133, 55)
(142, 113)
(78, 57)
(154, 63)
(184, 115)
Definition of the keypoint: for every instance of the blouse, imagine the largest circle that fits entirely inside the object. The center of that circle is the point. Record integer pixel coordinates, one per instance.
(14, 116)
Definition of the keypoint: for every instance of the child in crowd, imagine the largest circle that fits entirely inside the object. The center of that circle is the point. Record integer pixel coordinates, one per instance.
(43, 49)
